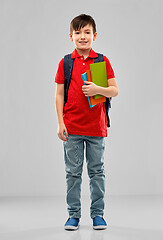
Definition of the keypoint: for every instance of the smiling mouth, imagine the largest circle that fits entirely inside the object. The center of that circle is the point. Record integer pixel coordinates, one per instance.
(82, 42)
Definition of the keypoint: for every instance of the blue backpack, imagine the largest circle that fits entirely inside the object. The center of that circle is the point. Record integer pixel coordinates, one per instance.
(68, 65)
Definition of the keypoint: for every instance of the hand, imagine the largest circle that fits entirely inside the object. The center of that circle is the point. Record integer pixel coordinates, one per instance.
(90, 89)
(62, 132)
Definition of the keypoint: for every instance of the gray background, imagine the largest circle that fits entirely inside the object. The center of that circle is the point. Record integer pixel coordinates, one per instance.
(33, 39)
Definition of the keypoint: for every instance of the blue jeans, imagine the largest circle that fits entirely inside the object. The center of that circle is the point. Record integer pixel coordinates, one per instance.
(74, 158)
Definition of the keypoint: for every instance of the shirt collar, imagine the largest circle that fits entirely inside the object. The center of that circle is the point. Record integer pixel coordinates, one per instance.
(92, 54)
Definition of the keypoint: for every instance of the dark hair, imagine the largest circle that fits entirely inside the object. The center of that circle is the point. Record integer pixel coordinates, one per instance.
(81, 21)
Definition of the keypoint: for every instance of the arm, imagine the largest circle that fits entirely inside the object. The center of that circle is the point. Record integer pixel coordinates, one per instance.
(59, 100)
(92, 89)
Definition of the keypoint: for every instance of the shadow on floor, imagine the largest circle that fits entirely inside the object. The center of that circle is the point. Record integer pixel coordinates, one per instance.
(85, 232)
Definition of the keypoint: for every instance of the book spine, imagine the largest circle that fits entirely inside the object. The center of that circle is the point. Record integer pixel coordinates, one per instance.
(84, 77)
(93, 103)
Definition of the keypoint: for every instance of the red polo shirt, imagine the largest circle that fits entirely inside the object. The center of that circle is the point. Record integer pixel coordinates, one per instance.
(78, 117)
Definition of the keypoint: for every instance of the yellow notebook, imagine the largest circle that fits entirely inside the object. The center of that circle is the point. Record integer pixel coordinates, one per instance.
(99, 75)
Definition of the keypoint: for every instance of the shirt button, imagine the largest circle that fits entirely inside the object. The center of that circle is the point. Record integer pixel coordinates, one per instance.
(83, 63)
(81, 58)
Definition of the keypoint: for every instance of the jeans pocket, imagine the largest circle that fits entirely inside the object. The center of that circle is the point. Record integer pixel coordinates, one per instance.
(74, 153)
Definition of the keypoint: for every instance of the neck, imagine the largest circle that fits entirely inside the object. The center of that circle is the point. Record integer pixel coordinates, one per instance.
(84, 53)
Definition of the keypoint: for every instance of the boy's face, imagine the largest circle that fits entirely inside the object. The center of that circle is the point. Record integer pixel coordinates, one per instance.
(83, 38)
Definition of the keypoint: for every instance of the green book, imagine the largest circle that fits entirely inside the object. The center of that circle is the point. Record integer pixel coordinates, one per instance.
(99, 75)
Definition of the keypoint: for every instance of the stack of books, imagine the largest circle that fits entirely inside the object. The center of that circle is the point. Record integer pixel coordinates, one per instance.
(98, 75)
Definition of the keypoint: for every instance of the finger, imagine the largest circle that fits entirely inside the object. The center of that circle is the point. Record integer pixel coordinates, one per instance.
(84, 89)
(88, 94)
(85, 86)
(66, 133)
(85, 92)
(61, 136)
(64, 136)
(87, 82)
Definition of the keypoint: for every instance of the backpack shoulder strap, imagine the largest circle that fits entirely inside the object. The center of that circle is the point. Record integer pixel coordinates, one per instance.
(68, 65)
(100, 58)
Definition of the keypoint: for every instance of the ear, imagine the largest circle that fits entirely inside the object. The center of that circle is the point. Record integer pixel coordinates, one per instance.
(94, 36)
(71, 37)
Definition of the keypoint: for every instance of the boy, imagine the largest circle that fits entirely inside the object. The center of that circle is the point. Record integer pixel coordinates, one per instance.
(80, 126)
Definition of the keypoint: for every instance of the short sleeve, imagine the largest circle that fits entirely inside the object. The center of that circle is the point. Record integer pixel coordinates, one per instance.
(59, 77)
(110, 71)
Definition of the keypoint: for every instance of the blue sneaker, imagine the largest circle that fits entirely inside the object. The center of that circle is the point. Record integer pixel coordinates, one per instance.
(99, 223)
(72, 224)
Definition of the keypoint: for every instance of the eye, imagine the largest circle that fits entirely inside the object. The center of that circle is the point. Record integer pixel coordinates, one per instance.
(87, 32)
(77, 32)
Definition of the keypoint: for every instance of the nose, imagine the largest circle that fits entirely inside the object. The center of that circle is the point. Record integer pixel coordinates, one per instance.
(82, 36)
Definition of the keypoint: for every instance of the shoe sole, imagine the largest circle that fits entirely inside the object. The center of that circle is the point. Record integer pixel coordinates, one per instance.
(100, 227)
(70, 228)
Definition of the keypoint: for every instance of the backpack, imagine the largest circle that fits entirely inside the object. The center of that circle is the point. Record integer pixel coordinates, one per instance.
(68, 66)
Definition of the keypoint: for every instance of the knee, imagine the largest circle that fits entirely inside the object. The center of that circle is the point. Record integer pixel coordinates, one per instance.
(96, 173)
(74, 170)
(73, 175)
